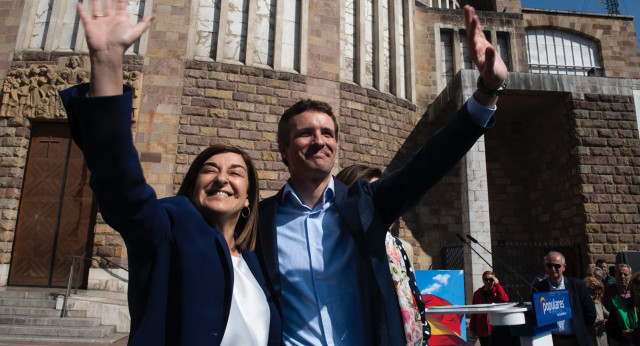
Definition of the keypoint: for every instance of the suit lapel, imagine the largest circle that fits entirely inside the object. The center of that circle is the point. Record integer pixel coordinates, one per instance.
(267, 242)
(347, 208)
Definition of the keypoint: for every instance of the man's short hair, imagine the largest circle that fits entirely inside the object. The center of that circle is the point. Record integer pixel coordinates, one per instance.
(623, 265)
(600, 261)
(301, 107)
(554, 253)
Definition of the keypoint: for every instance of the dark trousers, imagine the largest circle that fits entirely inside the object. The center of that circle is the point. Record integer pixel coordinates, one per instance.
(565, 340)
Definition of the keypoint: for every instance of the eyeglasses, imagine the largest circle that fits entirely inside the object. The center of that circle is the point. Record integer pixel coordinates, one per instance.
(554, 265)
(487, 279)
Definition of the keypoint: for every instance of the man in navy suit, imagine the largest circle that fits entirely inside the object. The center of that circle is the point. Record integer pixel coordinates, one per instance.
(574, 331)
(322, 243)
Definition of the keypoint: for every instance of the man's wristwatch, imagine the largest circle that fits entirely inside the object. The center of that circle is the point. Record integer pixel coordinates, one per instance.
(483, 88)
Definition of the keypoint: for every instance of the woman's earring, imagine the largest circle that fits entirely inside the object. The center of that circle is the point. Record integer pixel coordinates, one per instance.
(242, 213)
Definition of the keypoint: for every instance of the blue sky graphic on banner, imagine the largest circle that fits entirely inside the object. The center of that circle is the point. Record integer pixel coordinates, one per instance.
(443, 287)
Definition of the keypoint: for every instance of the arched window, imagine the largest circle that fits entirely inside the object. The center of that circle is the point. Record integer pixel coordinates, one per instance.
(558, 52)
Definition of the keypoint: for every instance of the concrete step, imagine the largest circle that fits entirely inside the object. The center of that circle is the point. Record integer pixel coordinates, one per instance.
(28, 295)
(25, 339)
(29, 302)
(50, 321)
(42, 312)
(75, 332)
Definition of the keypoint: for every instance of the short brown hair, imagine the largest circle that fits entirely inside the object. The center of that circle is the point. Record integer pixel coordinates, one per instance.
(488, 272)
(246, 228)
(301, 107)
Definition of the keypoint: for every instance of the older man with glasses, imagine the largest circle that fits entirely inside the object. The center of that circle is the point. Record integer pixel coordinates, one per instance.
(574, 331)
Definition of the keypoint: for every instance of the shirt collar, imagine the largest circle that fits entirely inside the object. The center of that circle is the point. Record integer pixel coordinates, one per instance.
(560, 286)
(289, 194)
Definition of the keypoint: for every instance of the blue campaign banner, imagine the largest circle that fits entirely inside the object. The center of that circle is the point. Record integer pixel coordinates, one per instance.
(551, 307)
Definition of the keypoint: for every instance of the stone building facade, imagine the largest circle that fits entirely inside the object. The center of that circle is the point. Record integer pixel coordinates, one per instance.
(562, 164)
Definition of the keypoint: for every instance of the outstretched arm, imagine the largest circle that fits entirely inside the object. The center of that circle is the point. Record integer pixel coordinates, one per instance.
(484, 56)
(109, 34)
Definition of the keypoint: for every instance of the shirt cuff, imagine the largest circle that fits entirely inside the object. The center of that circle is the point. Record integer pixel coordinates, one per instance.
(479, 114)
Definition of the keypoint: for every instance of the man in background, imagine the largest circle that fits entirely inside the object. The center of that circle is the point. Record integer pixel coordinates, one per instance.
(574, 331)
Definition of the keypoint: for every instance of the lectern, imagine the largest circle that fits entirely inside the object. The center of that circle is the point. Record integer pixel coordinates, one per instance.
(532, 322)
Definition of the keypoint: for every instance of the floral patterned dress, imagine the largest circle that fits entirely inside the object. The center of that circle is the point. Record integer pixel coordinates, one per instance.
(416, 327)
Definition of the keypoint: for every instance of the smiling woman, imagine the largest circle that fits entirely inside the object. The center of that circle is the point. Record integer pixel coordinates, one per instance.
(223, 185)
(193, 278)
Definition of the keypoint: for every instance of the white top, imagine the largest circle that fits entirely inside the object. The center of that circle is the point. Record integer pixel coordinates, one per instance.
(249, 317)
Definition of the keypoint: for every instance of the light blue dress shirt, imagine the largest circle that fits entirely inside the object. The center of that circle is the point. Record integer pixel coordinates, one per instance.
(317, 261)
(317, 258)
(564, 327)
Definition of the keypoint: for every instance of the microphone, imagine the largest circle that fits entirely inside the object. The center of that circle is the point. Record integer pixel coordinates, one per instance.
(459, 236)
(501, 261)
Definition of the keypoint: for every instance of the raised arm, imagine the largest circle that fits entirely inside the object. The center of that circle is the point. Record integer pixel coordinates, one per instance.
(109, 34)
(484, 56)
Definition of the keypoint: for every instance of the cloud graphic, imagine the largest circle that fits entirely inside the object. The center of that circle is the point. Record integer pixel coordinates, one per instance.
(443, 279)
(431, 289)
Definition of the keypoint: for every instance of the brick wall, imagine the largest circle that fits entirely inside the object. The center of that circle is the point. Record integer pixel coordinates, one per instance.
(10, 16)
(609, 152)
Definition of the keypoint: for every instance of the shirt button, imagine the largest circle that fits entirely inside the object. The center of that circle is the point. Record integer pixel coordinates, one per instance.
(330, 341)
(324, 308)
(319, 276)
(314, 244)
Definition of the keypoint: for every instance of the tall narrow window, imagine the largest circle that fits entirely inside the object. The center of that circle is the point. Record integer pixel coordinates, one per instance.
(236, 30)
(466, 59)
(291, 35)
(447, 61)
(349, 41)
(503, 48)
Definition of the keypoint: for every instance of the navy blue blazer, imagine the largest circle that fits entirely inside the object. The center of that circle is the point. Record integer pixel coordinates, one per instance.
(582, 308)
(180, 268)
(368, 210)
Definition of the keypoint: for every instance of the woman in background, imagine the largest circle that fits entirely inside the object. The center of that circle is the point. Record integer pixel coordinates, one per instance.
(490, 292)
(596, 290)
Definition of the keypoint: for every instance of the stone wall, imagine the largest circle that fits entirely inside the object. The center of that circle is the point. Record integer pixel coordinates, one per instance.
(609, 154)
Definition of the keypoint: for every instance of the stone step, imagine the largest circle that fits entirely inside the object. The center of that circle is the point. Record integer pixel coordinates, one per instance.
(43, 312)
(26, 339)
(34, 303)
(28, 295)
(54, 321)
(83, 332)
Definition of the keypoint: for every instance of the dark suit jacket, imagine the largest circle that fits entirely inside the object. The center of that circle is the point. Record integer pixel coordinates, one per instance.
(582, 308)
(368, 210)
(180, 269)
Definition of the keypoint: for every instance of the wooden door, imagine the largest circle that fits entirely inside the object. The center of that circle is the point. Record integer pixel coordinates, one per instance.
(57, 212)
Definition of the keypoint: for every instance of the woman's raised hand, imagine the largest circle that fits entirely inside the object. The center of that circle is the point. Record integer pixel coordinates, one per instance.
(109, 34)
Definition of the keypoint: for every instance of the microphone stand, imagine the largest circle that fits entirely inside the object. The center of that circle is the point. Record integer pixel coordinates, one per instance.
(501, 261)
(520, 300)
